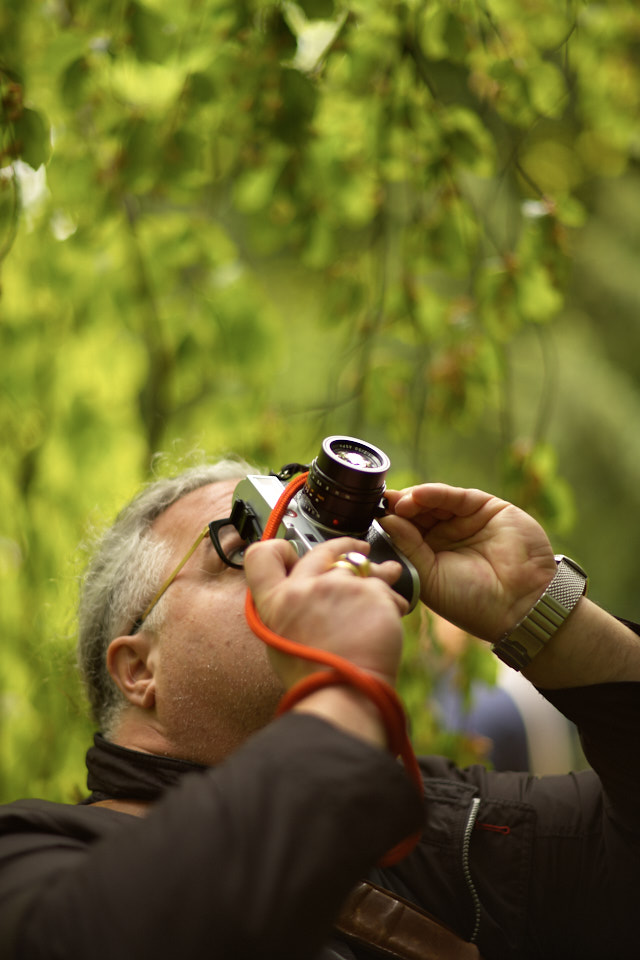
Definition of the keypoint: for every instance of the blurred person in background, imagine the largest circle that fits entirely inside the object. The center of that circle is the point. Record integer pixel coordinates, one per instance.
(507, 721)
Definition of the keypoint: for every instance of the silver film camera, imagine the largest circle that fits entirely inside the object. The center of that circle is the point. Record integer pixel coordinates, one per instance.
(343, 495)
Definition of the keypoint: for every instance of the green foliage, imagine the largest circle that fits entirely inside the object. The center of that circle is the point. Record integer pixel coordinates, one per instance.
(243, 225)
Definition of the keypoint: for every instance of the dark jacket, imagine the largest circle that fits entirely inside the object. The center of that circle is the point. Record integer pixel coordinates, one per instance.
(253, 858)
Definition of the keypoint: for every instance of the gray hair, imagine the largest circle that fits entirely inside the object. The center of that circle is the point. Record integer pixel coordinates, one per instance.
(123, 575)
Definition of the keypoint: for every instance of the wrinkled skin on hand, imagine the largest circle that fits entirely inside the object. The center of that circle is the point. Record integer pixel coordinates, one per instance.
(482, 562)
(305, 600)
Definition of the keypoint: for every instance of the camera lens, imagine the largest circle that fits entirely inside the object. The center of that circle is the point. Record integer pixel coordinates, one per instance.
(345, 486)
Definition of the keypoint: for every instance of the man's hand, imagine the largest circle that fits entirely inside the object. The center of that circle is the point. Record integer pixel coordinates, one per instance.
(307, 601)
(482, 562)
(359, 619)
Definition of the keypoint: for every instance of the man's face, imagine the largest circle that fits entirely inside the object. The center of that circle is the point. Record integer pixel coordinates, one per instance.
(214, 684)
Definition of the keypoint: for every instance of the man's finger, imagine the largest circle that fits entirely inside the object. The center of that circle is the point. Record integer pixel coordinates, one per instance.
(440, 500)
(266, 564)
(405, 535)
(319, 559)
(388, 570)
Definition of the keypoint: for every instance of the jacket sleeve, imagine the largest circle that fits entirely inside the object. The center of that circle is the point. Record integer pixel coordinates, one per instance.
(591, 857)
(251, 859)
(608, 718)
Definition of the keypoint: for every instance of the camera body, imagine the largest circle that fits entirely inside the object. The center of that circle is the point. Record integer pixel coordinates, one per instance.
(342, 496)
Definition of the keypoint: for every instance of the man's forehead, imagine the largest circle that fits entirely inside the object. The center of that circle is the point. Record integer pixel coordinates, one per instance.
(186, 517)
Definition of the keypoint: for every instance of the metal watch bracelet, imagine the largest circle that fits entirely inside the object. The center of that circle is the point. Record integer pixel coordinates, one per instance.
(518, 647)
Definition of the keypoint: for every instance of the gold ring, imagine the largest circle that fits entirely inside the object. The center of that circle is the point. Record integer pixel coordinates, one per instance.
(354, 563)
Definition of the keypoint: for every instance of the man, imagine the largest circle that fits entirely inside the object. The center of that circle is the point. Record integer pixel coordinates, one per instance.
(214, 831)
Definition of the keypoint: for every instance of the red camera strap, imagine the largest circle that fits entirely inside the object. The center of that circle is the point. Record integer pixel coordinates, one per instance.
(340, 671)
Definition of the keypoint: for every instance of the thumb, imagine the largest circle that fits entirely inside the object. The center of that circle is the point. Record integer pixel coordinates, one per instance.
(408, 539)
(266, 564)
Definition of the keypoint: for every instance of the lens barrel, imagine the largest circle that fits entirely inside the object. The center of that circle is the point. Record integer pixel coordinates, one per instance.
(346, 483)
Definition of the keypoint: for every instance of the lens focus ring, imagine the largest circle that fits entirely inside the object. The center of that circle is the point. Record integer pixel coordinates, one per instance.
(345, 486)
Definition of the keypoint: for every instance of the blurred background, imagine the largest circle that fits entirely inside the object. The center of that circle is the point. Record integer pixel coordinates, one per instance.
(243, 226)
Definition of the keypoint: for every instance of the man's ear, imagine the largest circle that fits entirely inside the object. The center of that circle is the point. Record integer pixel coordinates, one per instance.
(131, 665)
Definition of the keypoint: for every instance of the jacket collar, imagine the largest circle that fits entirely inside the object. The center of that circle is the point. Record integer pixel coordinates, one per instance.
(116, 772)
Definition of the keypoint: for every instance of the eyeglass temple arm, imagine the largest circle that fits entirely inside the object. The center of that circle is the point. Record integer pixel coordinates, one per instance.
(167, 583)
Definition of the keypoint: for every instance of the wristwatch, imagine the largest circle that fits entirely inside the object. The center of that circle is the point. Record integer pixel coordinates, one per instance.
(519, 646)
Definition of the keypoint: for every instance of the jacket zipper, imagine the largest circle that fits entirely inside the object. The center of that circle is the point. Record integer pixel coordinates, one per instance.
(466, 843)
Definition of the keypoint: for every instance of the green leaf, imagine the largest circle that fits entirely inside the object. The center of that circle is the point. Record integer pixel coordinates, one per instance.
(538, 297)
(444, 35)
(317, 9)
(254, 189)
(73, 83)
(548, 89)
(279, 33)
(151, 35)
(32, 137)
(138, 158)
(151, 86)
(297, 107)
(469, 141)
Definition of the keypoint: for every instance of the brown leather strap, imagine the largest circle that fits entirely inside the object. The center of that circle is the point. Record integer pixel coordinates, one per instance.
(378, 918)
(137, 808)
(399, 929)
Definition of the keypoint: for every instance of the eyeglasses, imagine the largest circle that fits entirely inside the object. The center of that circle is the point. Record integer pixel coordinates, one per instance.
(227, 556)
